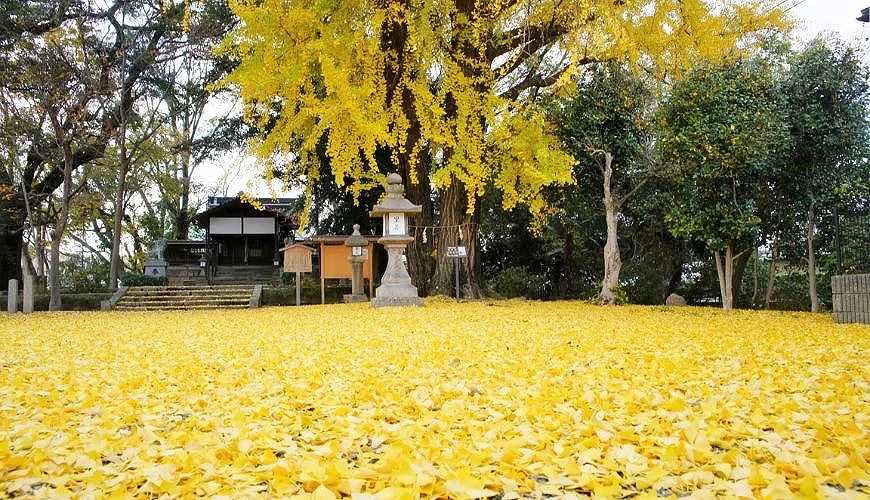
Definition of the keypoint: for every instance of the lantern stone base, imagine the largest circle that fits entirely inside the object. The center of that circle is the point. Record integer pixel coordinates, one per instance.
(396, 289)
(396, 301)
(350, 298)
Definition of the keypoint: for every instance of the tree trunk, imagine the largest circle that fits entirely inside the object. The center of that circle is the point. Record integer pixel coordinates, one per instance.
(412, 161)
(811, 259)
(182, 218)
(54, 303)
(725, 270)
(755, 278)
(728, 302)
(612, 258)
(738, 269)
(457, 228)
(771, 274)
(120, 193)
(40, 251)
(419, 252)
(566, 276)
(27, 268)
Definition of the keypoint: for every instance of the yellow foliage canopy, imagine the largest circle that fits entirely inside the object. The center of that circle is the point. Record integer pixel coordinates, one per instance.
(368, 74)
(459, 400)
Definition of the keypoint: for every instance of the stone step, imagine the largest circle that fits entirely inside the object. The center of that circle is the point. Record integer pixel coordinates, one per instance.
(178, 308)
(185, 288)
(181, 293)
(153, 298)
(187, 300)
(246, 293)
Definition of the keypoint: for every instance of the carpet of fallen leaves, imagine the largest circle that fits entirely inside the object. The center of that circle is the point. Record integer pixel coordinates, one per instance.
(516, 399)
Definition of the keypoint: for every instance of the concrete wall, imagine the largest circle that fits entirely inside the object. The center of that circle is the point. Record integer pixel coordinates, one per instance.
(851, 298)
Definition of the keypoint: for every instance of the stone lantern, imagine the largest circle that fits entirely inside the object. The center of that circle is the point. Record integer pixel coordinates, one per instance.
(358, 249)
(396, 288)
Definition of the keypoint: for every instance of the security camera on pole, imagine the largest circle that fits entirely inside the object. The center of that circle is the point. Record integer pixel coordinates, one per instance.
(396, 288)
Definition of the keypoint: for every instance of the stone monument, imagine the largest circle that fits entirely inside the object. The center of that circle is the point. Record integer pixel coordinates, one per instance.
(12, 296)
(358, 249)
(27, 302)
(155, 266)
(396, 288)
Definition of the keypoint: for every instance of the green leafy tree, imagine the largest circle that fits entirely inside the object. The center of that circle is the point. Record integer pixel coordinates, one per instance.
(722, 132)
(73, 47)
(825, 91)
(605, 127)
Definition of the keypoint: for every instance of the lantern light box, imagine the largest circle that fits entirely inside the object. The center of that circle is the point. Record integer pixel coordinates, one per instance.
(397, 224)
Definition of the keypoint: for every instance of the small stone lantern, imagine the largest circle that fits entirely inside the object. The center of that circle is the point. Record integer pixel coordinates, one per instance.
(357, 257)
(396, 288)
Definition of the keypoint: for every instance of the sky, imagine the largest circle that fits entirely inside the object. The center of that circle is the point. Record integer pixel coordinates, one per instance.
(814, 17)
(836, 16)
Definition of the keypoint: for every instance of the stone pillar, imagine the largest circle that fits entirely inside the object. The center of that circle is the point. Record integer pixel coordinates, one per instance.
(12, 300)
(396, 288)
(356, 242)
(28, 295)
(357, 280)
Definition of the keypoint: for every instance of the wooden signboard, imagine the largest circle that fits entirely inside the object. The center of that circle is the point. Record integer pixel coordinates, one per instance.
(336, 264)
(297, 258)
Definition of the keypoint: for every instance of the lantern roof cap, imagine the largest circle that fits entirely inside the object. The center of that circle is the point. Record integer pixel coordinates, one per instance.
(356, 239)
(395, 202)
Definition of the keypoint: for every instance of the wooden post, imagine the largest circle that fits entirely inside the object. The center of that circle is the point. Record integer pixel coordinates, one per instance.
(322, 279)
(298, 288)
(371, 250)
(28, 295)
(456, 270)
(12, 300)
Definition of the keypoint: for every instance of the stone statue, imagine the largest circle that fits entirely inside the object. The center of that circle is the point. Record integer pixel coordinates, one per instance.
(157, 248)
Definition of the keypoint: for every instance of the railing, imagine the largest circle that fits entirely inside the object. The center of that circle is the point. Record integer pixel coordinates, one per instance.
(180, 253)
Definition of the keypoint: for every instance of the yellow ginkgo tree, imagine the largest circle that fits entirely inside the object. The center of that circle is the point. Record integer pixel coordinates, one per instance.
(447, 89)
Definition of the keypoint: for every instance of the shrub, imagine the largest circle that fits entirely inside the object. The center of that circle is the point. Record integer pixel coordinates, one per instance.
(72, 301)
(84, 275)
(135, 279)
(286, 295)
(515, 282)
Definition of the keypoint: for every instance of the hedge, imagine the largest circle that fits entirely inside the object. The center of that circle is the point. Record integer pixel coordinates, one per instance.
(72, 301)
(286, 295)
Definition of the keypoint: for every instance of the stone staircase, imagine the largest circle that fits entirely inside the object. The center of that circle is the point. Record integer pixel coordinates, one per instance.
(186, 275)
(152, 298)
(247, 275)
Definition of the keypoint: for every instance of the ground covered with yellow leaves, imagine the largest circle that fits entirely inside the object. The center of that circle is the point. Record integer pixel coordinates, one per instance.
(508, 399)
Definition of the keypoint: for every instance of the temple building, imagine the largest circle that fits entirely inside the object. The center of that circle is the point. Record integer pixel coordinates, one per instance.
(240, 246)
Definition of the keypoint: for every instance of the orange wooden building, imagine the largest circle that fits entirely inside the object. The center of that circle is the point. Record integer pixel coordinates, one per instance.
(333, 264)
